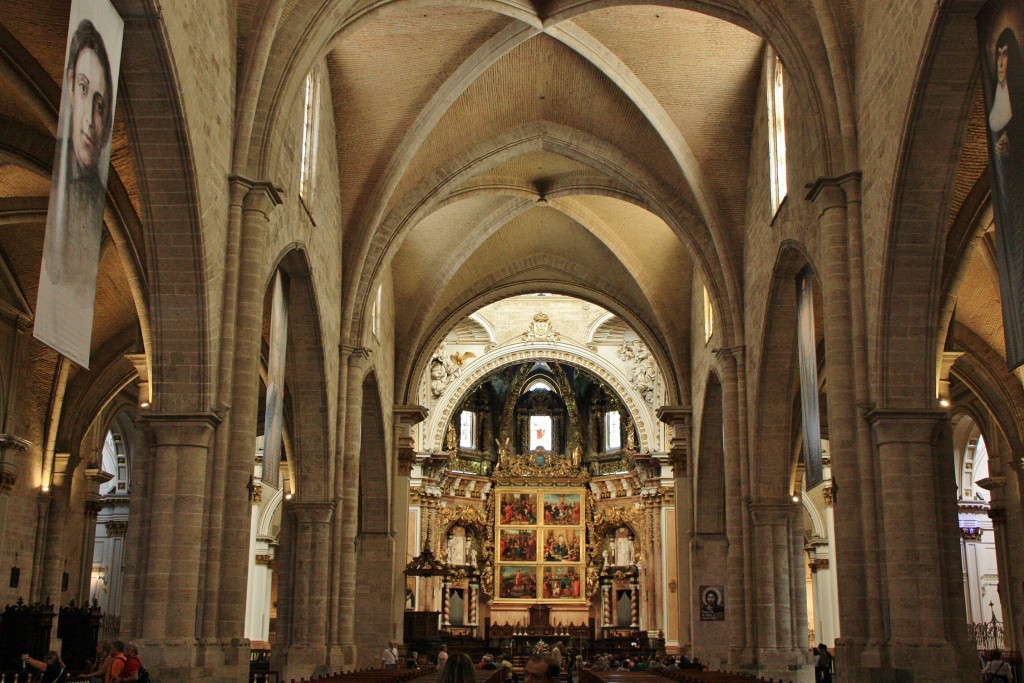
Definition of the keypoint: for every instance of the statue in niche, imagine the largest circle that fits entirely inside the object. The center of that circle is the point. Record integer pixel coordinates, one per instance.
(623, 547)
(472, 555)
(630, 436)
(457, 546)
(451, 439)
(577, 456)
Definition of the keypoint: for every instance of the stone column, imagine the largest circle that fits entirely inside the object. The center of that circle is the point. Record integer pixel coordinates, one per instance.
(258, 621)
(824, 597)
(857, 544)
(307, 647)
(679, 418)
(833, 571)
(923, 566)
(168, 612)
(239, 189)
(739, 576)
(405, 417)
(1005, 513)
(56, 543)
(259, 202)
(253, 595)
(349, 517)
(651, 567)
(780, 598)
(95, 477)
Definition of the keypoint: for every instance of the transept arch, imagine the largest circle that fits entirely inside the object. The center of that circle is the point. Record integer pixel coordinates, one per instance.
(709, 484)
(543, 271)
(179, 298)
(308, 405)
(375, 550)
(511, 354)
(904, 376)
(778, 377)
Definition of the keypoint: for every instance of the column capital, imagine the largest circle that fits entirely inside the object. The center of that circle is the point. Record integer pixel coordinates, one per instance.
(117, 527)
(818, 563)
(97, 475)
(64, 466)
(834, 192)
(10, 448)
(314, 512)
(904, 426)
(680, 419)
(355, 356)
(773, 514)
(254, 195)
(729, 356)
(409, 415)
(180, 429)
(93, 505)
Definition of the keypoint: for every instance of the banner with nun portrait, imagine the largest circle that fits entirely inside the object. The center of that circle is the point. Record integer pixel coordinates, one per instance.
(1000, 24)
(74, 219)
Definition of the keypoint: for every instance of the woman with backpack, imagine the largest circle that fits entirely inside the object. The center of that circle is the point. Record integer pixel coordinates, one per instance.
(997, 671)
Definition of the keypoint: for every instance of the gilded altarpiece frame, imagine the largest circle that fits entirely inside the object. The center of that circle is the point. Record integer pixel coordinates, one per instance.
(540, 545)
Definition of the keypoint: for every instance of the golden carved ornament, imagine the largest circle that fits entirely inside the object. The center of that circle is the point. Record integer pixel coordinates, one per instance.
(525, 466)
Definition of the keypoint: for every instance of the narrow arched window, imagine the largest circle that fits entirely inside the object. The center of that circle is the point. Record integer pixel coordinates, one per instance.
(776, 129)
(709, 317)
(612, 430)
(467, 429)
(310, 127)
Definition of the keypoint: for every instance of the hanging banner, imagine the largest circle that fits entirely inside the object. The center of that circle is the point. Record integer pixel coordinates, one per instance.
(274, 418)
(74, 220)
(807, 358)
(1000, 24)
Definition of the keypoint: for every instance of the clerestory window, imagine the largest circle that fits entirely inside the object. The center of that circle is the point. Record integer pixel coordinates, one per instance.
(776, 130)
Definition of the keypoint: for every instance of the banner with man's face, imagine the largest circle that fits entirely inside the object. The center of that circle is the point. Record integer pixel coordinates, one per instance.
(74, 220)
(1000, 30)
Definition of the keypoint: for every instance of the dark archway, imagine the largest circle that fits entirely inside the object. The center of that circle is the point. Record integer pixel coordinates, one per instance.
(374, 545)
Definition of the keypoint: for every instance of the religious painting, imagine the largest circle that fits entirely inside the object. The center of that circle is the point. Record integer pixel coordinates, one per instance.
(712, 603)
(562, 545)
(518, 583)
(518, 545)
(1000, 31)
(518, 508)
(540, 555)
(562, 508)
(563, 583)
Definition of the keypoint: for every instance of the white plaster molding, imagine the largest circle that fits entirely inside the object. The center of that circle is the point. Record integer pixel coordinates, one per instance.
(267, 511)
(519, 352)
(817, 522)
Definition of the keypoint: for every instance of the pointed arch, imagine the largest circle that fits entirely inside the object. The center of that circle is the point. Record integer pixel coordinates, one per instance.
(776, 416)
(709, 485)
